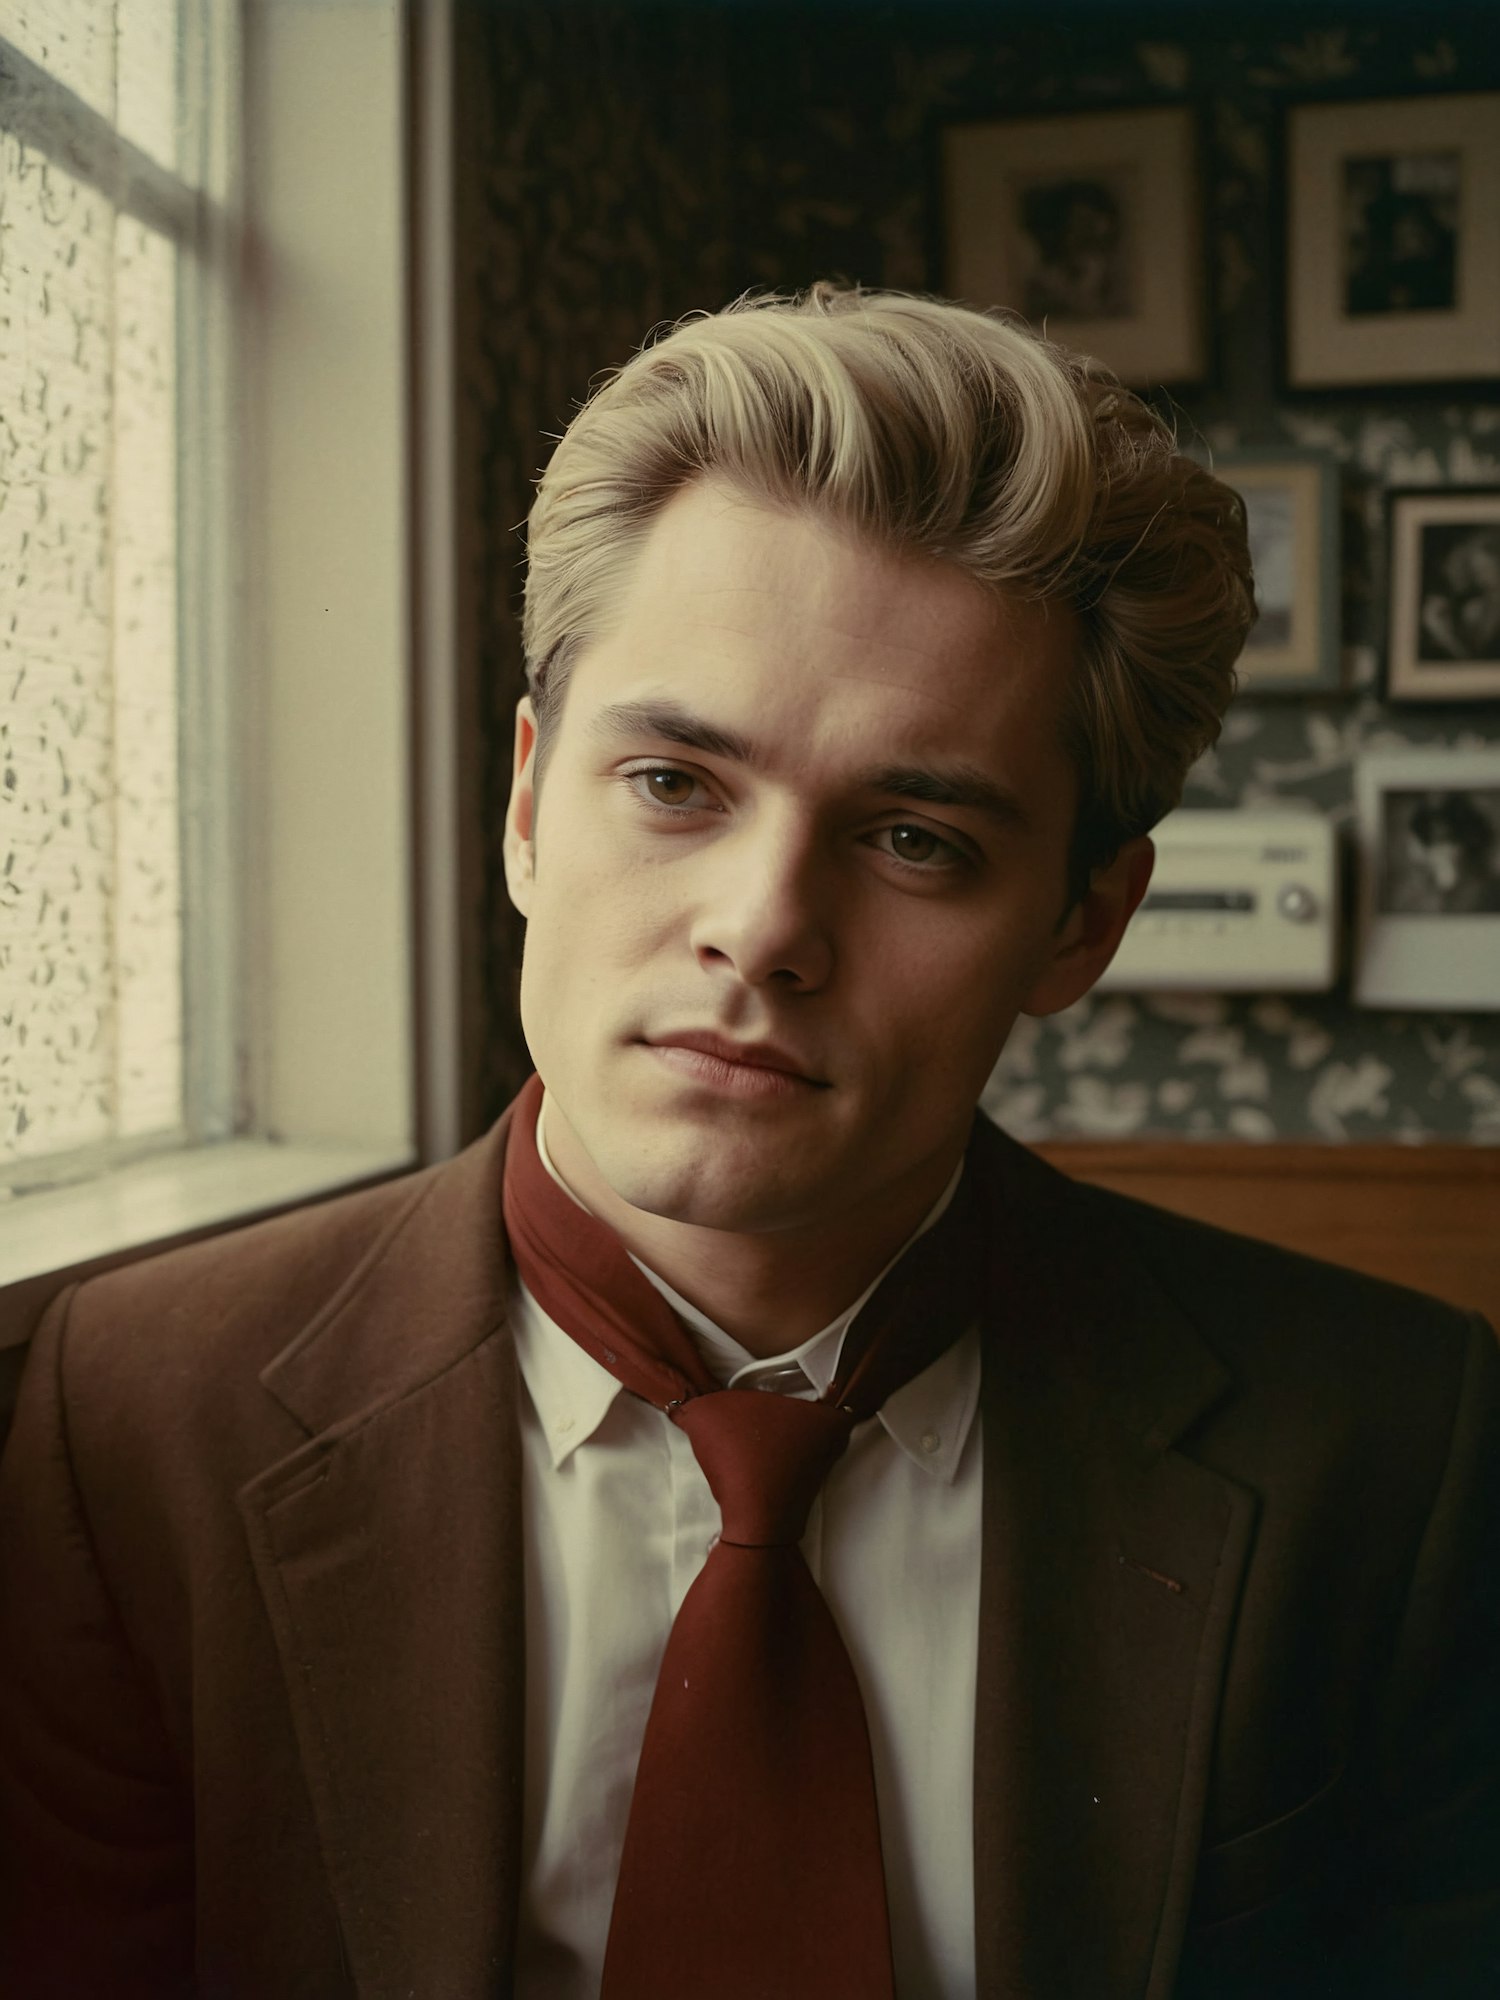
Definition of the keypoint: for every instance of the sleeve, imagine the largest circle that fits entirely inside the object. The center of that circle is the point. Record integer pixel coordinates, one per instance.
(95, 1820)
(1435, 1839)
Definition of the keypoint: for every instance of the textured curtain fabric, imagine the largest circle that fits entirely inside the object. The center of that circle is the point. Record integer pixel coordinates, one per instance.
(95, 212)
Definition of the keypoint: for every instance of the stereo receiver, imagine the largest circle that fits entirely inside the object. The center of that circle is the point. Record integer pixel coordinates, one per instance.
(1240, 901)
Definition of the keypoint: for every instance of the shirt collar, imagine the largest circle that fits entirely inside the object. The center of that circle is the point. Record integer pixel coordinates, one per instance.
(929, 1418)
(571, 1392)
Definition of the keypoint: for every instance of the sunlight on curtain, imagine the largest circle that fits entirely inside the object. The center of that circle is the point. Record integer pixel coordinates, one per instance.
(119, 56)
(91, 1011)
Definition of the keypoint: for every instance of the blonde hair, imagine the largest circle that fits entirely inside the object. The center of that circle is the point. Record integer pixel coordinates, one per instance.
(926, 426)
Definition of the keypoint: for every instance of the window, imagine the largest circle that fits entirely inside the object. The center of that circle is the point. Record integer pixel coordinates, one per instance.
(111, 349)
(206, 962)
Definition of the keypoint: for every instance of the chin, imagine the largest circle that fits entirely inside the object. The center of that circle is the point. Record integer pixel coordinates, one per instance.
(745, 1197)
(692, 1198)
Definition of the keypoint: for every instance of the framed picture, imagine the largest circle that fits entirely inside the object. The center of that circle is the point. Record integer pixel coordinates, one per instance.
(1443, 628)
(1393, 241)
(1429, 919)
(1292, 513)
(1089, 227)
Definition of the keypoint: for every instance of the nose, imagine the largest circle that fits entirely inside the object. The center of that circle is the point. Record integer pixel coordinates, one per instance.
(767, 908)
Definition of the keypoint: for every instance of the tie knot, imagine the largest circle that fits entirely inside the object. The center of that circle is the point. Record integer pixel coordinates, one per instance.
(765, 1458)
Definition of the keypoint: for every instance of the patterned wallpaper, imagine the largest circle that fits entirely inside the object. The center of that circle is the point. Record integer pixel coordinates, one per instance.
(621, 164)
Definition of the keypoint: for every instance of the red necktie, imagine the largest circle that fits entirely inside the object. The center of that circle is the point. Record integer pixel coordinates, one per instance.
(752, 1866)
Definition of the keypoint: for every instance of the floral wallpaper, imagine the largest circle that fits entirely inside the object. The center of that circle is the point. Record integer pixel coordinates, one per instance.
(621, 164)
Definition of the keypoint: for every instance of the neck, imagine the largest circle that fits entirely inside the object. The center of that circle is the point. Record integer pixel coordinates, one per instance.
(769, 1290)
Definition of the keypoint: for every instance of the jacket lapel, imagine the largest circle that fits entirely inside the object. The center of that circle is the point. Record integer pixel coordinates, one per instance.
(1112, 1566)
(388, 1551)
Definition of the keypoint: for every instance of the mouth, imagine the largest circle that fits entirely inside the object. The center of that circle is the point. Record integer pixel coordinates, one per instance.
(747, 1069)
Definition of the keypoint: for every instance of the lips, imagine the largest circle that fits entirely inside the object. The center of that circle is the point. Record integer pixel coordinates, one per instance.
(747, 1055)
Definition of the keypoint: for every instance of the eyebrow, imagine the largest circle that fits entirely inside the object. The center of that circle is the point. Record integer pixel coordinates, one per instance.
(674, 724)
(948, 784)
(963, 785)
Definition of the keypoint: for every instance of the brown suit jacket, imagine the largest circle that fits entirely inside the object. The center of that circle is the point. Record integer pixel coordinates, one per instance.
(261, 1614)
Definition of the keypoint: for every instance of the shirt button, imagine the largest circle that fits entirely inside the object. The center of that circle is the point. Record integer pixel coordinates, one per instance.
(563, 1426)
(930, 1441)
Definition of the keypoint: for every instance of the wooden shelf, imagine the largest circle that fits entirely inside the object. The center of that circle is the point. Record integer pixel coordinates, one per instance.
(1425, 1216)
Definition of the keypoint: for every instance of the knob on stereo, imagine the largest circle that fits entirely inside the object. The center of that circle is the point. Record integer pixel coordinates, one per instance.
(1242, 901)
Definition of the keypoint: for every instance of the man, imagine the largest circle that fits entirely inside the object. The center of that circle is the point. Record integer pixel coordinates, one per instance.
(406, 1598)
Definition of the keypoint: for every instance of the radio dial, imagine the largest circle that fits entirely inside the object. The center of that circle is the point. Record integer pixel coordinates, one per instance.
(1297, 903)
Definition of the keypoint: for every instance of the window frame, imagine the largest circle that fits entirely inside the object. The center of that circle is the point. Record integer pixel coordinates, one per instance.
(317, 1096)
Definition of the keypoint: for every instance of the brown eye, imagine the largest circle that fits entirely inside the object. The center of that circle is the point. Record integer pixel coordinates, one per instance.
(914, 843)
(669, 788)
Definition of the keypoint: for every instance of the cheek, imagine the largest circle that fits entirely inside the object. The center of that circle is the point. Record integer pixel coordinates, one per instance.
(591, 918)
(962, 996)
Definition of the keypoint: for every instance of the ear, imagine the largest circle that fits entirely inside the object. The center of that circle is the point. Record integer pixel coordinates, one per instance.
(520, 816)
(1090, 933)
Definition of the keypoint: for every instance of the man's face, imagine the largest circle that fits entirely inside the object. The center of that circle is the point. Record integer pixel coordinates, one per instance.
(806, 801)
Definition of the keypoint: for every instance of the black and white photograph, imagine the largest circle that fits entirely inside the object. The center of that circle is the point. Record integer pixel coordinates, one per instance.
(1401, 233)
(1080, 236)
(1088, 226)
(1271, 524)
(1441, 853)
(1443, 631)
(1393, 241)
(1460, 594)
(1429, 892)
(1291, 501)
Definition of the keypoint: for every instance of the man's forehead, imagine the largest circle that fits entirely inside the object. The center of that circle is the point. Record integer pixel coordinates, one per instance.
(728, 561)
(774, 639)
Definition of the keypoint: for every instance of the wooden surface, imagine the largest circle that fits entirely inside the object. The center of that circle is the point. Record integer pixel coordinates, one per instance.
(1426, 1216)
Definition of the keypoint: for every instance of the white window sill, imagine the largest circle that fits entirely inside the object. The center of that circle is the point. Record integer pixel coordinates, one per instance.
(62, 1233)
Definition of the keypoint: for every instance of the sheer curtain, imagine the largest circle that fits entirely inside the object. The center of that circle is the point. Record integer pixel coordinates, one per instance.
(111, 152)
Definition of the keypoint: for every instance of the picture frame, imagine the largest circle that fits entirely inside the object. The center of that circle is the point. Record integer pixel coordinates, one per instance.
(1429, 890)
(1291, 498)
(1090, 227)
(1393, 241)
(1443, 577)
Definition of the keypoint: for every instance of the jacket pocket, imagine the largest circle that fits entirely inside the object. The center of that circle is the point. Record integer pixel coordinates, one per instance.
(1256, 1867)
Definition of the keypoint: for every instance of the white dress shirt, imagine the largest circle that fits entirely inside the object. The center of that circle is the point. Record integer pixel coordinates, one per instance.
(619, 1521)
